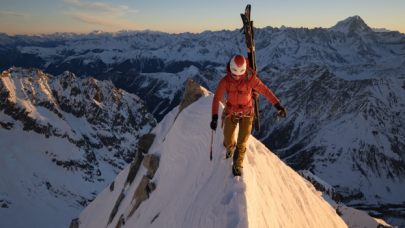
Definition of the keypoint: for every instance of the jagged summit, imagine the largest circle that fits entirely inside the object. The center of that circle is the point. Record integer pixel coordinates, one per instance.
(352, 24)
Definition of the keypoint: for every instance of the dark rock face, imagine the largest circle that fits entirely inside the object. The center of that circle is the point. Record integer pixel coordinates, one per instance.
(192, 93)
(134, 168)
(74, 223)
(141, 194)
(115, 209)
(145, 142)
(151, 186)
(151, 163)
(6, 126)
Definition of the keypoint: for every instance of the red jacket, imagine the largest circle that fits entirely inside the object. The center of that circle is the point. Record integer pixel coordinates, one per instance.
(240, 92)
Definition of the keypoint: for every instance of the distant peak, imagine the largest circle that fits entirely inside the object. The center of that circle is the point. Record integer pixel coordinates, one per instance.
(96, 32)
(354, 24)
(381, 30)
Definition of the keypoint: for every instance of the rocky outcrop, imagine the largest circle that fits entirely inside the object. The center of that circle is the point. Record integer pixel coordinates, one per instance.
(151, 162)
(5, 74)
(134, 167)
(6, 125)
(120, 222)
(115, 209)
(141, 194)
(144, 143)
(192, 92)
(151, 186)
(74, 223)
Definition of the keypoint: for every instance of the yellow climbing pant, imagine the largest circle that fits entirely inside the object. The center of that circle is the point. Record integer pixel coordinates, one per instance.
(245, 129)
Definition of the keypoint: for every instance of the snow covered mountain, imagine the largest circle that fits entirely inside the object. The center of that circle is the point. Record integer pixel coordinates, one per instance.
(352, 25)
(349, 43)
(192, 191)
(348, 133)
(63, 140)
(350, 49)
(343, 88)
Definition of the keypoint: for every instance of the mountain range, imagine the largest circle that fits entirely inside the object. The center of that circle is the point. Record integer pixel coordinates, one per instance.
(343, 88)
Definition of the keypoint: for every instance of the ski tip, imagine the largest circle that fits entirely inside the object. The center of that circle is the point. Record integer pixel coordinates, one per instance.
(247, 11)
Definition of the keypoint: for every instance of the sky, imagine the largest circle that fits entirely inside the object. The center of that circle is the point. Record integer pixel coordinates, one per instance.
(178, 16)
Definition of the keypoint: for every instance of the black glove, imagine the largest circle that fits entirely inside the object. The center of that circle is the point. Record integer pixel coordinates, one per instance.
(214, 122)
(281, 110)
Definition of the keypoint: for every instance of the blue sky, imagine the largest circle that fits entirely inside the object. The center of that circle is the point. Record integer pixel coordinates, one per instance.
(177, 16)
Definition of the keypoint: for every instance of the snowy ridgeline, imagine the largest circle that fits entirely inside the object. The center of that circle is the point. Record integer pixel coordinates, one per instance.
(62, 141)
(192, 191)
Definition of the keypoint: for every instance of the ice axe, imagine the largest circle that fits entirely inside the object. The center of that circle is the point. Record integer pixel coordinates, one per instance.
(212, 137)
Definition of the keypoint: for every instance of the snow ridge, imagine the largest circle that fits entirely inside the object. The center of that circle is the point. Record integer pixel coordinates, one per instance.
(192, 191)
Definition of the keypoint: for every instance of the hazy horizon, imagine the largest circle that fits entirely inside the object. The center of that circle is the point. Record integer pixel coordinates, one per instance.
(22, 17)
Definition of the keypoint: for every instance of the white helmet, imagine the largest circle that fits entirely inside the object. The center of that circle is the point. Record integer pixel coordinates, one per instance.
(238, 65)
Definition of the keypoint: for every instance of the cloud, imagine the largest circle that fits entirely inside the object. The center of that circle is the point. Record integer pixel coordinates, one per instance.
(104, 21)
(12, 14)
(99, 7)
(98, 13)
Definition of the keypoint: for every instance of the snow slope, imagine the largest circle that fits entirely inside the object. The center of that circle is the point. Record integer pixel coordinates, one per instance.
(192, 191)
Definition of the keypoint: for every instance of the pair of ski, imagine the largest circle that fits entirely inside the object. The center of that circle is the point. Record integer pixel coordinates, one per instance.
(250, 46)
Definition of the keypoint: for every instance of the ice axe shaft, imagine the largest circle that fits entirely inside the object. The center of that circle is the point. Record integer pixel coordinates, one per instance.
(212, 137)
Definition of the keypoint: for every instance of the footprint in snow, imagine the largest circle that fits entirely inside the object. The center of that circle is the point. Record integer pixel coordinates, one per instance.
(235, 200)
